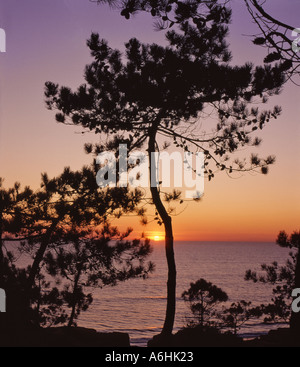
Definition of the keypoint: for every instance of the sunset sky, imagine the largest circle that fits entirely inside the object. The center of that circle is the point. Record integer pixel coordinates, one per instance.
(46, 41)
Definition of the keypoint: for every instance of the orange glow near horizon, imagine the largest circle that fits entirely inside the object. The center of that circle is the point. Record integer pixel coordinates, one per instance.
(247, 208)
(155, 236)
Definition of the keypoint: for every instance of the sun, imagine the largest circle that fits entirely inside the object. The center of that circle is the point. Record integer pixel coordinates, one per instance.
(156, 237)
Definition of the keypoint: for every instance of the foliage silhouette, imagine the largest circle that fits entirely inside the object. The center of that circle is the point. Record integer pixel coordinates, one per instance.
(84, 259)
(168, 13)
(285, 279)
(204, 300)
(235, 316)
(203, 297)
(169, 92)
(276, 37)
(64, 229)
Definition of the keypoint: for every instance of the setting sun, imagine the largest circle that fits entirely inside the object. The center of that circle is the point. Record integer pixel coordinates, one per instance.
(155, 236)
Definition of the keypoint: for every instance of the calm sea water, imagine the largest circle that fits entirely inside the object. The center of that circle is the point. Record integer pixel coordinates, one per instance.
(138, 306)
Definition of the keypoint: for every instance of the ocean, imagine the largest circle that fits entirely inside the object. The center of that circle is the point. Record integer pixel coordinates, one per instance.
(137, 307)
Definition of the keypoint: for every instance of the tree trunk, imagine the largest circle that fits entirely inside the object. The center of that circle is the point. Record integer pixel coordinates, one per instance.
(40, 254)
(36, 264)
(74, 300)
(169, 244)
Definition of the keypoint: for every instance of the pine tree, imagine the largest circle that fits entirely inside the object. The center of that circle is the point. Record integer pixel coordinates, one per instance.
(166, 91)
(68, 210)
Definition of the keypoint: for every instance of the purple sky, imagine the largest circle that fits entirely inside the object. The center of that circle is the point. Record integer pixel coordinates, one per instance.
(46, 40)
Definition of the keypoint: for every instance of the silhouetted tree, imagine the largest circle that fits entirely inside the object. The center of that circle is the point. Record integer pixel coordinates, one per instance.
(168, 91)
(285, 279)
(73, 198)
(37, 222)
(14, 205)
(14, 215)
(235, 316)
(203, 297)
(168, 12)
(293, 242)
(280, 39)
(96, 258)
